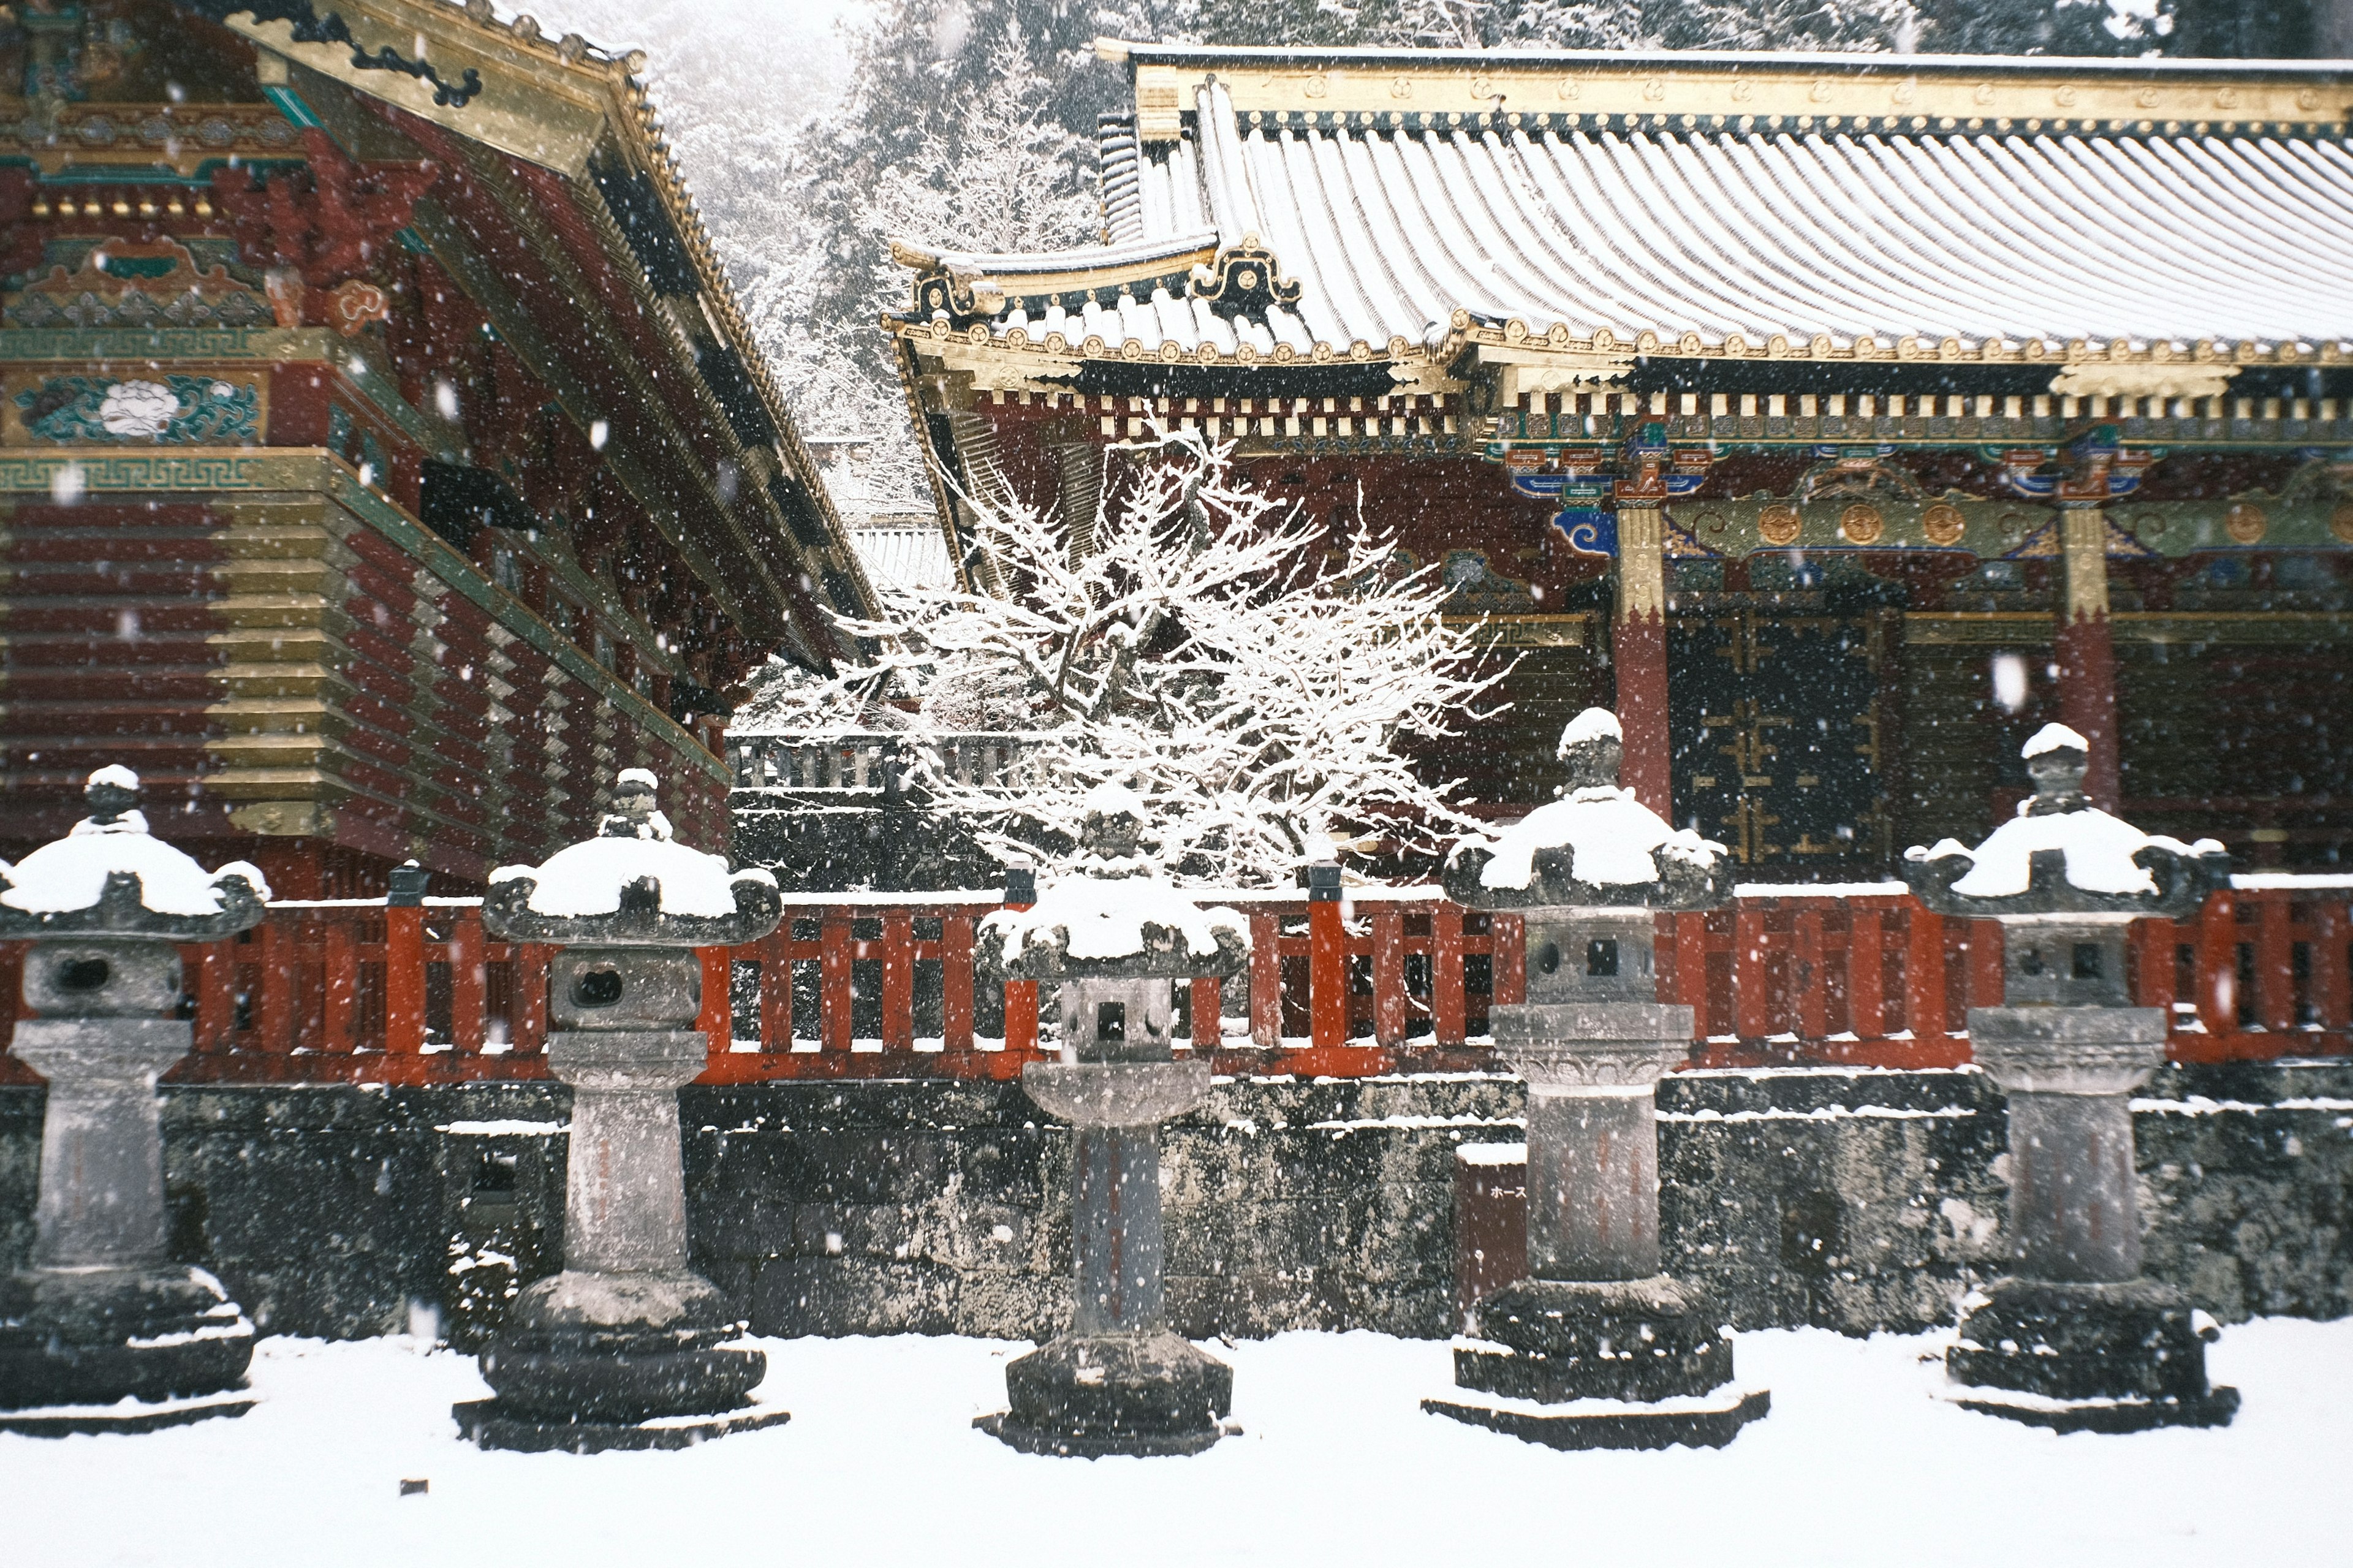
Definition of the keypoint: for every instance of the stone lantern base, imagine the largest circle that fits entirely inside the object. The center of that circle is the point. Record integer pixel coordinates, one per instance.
(118, 1350)
(2122, 1357)
(589, 1361)
(1631, 1363)
(1089, 1395)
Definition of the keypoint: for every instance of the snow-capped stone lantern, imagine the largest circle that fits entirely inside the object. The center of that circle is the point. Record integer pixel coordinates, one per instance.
(1114, 938)
(627, 1348)
(2075, 1338)
(101, 1330)
(1597, 1348)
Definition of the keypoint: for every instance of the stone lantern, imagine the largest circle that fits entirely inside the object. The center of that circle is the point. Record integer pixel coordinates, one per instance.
(102, 1325)
(1597, 1347)
(627, 1348)
(1114, 938)
(2074, 1338)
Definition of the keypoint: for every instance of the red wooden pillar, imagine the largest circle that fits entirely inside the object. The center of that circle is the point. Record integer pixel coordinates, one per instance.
(955, 983)
(833, 982)
(338, 986)
(274, 954)
(1020, 996)
(776, 989)
(1637, 640)
(2085, 643)
(1923, 973)
(1866, 974)
(1812, 978)
(1266, 982)
(1327, 973)
(717, 1018)
(1446, 1008)
(2275, 964)
(1207, 1008)
(898, 981)
(2217, 965)
(468, 981)
(404, 979)
(1751, 1009)
(1388, 976)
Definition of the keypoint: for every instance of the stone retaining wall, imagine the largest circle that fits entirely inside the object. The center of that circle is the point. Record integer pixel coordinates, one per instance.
(1854, 1200)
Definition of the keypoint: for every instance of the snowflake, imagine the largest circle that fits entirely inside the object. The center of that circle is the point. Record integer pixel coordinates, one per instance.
(138, 408)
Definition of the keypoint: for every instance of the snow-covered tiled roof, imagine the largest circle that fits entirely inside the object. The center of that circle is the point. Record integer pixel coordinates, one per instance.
(1984, 234)
(910, 556)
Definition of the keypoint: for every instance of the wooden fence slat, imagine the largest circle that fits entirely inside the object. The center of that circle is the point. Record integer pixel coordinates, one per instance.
(527, 1028)
(1446, 1005)
(834, 981)
(1986, 988)
(338, 989)
(1266, 982)
(1327, 975)
(2217, 965)
(2332, 965)
(1388, 976)
(898, 981)
(2274, 966)
(1208, 1007)
(1811, 979)
(1507, 960)
(1923, 973)
(275, 952)
(955, 983)
(469, 982)
(717, 1017)
(403, 980)
(1866, 975)
(1752, 1001)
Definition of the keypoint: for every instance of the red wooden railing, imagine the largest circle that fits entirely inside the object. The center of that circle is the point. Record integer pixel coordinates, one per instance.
(1394, 980)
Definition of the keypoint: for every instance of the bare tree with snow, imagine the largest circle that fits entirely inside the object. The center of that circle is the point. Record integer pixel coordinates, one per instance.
(1258, 683)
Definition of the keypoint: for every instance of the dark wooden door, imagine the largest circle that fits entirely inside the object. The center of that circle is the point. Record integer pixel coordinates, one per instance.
(1774, 722)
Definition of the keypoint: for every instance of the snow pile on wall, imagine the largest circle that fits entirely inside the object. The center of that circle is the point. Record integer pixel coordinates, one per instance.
(71, 873)
(587, 877)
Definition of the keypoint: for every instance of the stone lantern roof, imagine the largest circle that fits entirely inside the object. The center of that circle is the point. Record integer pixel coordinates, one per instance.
(1595, 846)
(109, 878)
(631, 886)
(2063, 855)
(1119, 920)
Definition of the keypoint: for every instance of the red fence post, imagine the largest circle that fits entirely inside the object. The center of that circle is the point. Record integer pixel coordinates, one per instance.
(1923, 973)
(955, 983)
(339, 976)
(468, 981)
(1266, 982)
(404, 979)
(717, 1018)
(1446, 1005)
(833, 981)
(1752, 1010)
(898, 981)
(776, 989)
(1812, 981)
(2275, 964)
(2217, 965)
(274, 953)
(1388, 974)
(1328, 973)
(1866, 974)
(1209, 1023)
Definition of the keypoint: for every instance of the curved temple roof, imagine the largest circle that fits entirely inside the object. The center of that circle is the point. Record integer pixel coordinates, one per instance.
(1630, 200)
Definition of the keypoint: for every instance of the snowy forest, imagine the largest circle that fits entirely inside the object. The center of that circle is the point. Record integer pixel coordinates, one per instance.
(813, 134)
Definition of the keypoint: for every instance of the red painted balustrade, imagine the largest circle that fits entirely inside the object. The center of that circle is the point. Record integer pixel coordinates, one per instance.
(880, 985)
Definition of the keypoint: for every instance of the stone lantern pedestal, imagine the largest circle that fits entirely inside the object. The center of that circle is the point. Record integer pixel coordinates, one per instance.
(2074, 1338)
(101, 1333)
(1119, 1382)
(1597, 1347)
(628, 1347)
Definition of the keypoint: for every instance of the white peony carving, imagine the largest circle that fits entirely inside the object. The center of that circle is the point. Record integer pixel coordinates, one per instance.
(137, 408)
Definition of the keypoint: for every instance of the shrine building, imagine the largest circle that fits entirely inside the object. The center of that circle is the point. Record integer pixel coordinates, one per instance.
(384, 461)
(1838, 419)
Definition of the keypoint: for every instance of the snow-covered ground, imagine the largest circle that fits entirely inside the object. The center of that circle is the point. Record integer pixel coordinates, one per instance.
(1857, 1464)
